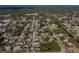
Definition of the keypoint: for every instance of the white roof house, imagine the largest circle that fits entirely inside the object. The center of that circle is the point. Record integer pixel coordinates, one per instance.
(7, 47)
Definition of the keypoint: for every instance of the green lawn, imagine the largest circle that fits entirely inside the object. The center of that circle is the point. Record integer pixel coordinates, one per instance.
(47, 30)
(49, 47)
